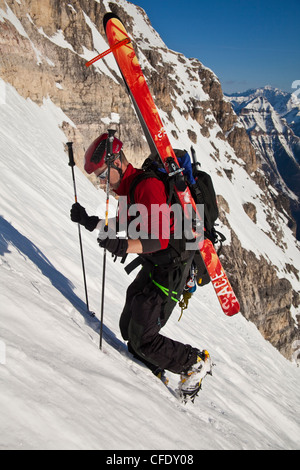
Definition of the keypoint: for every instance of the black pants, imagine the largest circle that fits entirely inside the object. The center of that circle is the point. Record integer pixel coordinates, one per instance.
(146, 311)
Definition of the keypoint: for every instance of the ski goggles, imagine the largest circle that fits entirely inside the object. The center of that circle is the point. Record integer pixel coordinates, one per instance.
(103, 175)
(100, 153)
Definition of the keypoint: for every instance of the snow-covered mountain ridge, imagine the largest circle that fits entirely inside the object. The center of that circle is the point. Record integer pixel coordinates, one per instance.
(286, 105)
(57, 390)
(48, 45)
(272, 120)
(52, 364)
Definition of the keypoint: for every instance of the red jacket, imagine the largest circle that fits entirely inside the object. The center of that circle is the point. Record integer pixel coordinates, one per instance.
(148, 192)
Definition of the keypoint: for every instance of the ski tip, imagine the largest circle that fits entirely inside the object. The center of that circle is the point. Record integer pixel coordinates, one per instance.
(109, 16)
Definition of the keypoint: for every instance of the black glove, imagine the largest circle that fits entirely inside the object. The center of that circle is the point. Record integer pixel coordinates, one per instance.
(78, 214)
(116, 246)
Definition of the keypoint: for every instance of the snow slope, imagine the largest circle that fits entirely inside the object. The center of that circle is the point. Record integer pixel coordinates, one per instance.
(58, 390)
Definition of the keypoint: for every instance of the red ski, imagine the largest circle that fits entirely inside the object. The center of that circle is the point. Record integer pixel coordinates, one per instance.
(159, 142)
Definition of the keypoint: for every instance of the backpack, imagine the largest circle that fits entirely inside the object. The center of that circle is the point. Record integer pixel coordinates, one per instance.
(202, 190)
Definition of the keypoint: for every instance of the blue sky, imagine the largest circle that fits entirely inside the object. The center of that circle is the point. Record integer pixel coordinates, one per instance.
(248, 44)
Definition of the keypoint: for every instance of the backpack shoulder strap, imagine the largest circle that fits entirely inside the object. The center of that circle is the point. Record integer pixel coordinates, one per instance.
(151, 174)
(136, 181)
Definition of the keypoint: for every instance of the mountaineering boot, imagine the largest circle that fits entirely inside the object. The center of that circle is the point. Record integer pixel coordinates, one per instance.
(191, 380)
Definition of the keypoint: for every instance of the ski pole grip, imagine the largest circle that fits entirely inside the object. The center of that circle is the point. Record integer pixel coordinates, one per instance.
(71, 155)
(195, 161)
(109, 143)
(193, 155)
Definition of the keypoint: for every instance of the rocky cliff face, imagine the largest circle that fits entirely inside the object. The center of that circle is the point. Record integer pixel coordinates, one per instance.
(43, 53)
(44, 47)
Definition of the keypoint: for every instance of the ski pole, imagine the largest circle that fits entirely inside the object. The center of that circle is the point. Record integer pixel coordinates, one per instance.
(108, 161)
(72, 164)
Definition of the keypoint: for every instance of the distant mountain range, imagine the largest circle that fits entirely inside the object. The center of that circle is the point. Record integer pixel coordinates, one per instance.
(272, 120)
